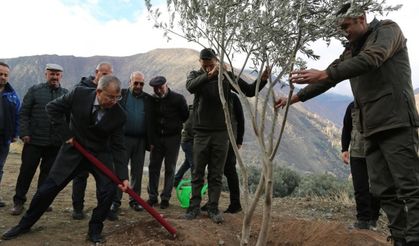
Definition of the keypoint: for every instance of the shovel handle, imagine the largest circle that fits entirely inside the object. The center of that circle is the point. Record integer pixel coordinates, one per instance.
(130, 191)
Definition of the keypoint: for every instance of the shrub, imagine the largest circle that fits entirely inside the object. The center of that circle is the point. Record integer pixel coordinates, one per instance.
(285, 181)
(288, 182)
(321, 185)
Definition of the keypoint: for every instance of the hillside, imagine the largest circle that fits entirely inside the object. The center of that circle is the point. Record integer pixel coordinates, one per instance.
(311, 143)
(172, 63)
(330, 106)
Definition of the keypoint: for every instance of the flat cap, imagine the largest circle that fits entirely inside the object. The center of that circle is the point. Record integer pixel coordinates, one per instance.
(54, 67)
(157, 81)
(207, 54)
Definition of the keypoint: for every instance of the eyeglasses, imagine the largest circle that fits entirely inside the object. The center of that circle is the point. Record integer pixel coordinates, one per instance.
(138, 83)
(111, 97)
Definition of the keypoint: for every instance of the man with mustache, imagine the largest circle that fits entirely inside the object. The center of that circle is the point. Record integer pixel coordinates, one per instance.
(40, 144)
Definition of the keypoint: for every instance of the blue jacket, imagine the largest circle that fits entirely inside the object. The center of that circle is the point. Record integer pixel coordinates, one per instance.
(11, 104)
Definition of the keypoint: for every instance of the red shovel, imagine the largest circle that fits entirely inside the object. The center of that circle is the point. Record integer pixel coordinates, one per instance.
(131, 192)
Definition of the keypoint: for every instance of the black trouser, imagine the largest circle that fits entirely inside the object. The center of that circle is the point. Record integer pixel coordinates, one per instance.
(4, 151)
(393, 167)
(367, 206)
(135, 153)
(32, 157)
(166, 148)
(232, 178)
(46, 193)
(79, 189)
(187, 163)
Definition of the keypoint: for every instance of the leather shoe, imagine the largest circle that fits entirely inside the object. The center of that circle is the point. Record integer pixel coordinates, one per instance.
(232, 209)
(205, 207)
(164, 204)
(215, 216)
(96, 238)
(113, 212)
(14, 232)
(17, 209)
(137, 207)
(78, 214)
(114, 207)
(192, 213)
(152, 202)
(396, 241)
(112, 215)
(361, 224)
(2, 204)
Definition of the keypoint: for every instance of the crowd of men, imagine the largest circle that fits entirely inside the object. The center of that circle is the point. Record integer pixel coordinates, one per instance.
(118, 125)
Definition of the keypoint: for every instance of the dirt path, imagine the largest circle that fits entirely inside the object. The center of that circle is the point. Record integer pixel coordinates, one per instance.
(295, 222)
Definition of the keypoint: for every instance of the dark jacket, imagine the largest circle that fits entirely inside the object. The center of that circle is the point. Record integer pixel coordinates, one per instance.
(379, 71)
(187, 131)
(351, 135)
(208, 111)
(11, 105)
(167, 115)
(104, 139)
(237, 118)
(33, 118)
(146, 99)
(87, 82)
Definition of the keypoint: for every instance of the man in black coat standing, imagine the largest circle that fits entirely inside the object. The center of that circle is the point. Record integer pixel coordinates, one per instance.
(168, 110)
(96, 122)
(80, 181)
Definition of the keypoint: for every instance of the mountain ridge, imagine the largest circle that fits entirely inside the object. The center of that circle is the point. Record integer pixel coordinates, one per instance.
(310, 144)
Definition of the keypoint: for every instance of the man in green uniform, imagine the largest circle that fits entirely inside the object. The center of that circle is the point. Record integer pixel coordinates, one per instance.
(211, 138)
(376, 62)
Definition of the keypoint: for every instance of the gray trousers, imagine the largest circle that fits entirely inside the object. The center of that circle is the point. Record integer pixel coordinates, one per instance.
(135, 153)
(210, 149)
(393, 167)
(167, 149)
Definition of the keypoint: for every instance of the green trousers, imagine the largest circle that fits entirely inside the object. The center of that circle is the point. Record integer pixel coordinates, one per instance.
(393, 168)
(209, 150)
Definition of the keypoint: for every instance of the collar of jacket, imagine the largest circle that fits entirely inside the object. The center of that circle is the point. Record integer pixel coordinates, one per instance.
(8, 88)
(49, 87)
(167, 94)
(357, 46)
(137, 95)
(88, 81)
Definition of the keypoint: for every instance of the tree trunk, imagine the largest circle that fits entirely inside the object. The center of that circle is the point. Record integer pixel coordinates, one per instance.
(267, 206)
(248, 213)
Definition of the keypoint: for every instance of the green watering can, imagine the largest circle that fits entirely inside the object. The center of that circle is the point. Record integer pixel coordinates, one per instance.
(184, 190)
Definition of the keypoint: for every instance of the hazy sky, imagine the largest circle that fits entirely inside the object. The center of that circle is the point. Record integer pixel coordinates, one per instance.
(121, 28)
